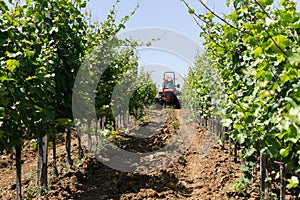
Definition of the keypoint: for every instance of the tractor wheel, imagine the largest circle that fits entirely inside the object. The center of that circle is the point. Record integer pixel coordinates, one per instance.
(176, 102)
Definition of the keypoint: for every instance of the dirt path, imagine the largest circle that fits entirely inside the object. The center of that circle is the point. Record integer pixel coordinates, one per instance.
(194, 175)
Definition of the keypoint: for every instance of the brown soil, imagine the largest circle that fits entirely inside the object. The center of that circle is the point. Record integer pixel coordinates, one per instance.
(192, 176)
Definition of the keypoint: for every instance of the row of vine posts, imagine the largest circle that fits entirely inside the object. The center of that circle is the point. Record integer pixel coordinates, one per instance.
(215, 127)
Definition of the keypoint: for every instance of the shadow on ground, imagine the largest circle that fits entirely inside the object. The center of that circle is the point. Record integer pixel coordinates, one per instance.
(98, 181)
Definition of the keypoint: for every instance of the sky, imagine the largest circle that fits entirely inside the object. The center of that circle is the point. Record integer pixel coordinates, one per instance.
(169, 15)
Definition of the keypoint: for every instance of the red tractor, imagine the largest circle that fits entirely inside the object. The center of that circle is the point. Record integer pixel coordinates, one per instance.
(168, 93)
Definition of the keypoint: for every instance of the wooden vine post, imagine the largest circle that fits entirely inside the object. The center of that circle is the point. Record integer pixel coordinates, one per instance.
(264, 176)
(43, 161)
(282, 181)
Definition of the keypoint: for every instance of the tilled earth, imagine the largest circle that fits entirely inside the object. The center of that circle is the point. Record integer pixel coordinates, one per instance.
(192, 176)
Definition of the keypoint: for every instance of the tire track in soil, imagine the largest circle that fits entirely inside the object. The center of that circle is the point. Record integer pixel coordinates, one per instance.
(162, 184)
(210, 170)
